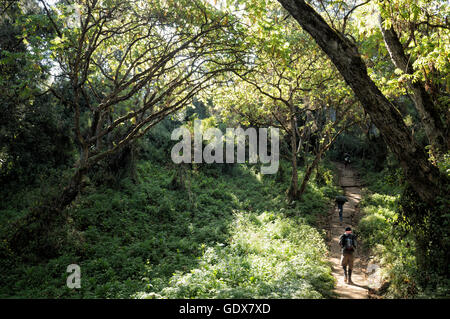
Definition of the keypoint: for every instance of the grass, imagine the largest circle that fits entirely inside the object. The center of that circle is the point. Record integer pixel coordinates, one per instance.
(221, 236)
(391, 243)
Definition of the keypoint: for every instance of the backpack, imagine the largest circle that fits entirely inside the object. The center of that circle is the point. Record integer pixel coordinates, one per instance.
(348, 242)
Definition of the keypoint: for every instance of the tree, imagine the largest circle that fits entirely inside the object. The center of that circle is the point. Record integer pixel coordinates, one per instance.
(424, 177)
(426, 217)
(421, 59)
(127, 65)
(283, 81)
(26, 111)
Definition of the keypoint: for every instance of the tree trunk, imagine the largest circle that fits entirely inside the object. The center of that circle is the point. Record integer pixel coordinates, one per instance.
(308, 173)
(423, 177)
(322, 149)
(431, 120)
(293, 189)
(41, 232)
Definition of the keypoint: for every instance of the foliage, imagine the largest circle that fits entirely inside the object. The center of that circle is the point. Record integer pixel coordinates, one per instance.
(394, 240)
(133, 238)
(419, 60)
(26, 112)
(90, 92)
(444, 164)
(123, 66)
(267, 256)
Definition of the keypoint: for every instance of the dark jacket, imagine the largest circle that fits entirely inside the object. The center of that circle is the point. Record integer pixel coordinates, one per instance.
(342, 242)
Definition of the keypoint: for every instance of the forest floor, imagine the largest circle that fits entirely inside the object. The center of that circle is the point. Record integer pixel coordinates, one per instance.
(349, 181)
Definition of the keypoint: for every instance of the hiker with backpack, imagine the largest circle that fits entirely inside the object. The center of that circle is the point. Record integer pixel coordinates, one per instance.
(346, 159)
(347, 241)
(340, 201)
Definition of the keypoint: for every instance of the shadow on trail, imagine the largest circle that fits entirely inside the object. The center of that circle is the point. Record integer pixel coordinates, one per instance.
(360, 286)
(352, 190)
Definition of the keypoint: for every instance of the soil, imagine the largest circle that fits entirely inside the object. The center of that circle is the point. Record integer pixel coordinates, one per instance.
(348, 180)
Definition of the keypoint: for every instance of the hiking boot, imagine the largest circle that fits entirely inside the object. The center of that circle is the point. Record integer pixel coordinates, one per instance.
(349, 279)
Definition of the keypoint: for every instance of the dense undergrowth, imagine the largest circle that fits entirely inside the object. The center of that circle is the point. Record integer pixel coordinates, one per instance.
(213, 236)
(390, 241)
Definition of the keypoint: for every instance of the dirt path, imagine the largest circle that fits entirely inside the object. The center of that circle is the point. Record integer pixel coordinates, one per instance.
(348, 180)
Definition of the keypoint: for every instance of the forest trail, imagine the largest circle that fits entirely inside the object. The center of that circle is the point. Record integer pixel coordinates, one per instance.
(348, 180)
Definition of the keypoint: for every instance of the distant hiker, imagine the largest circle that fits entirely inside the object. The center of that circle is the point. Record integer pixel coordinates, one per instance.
(347, 241)
(346, 159)
(340, 201)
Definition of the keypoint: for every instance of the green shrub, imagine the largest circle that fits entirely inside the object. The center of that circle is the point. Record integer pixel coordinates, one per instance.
(393, 243)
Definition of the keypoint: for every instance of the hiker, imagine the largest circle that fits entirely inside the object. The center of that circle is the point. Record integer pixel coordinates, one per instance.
(340, 201)
(347, 241)
(346, 159)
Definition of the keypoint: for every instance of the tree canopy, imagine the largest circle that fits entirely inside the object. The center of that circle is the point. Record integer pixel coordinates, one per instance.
(90, 91)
